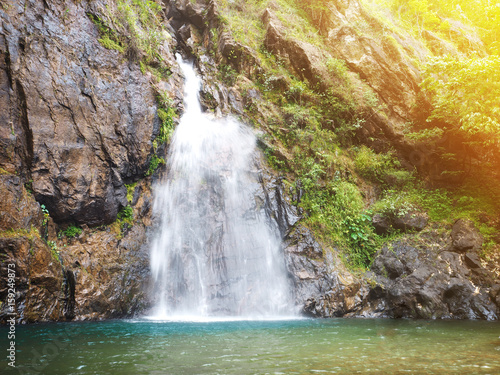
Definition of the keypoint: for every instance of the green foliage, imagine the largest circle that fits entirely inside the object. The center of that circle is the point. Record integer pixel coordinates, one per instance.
(297, 91)
(373, 166)
(166, 113)
(155, 162)
(54, 250)
(274, 161)
(465, 107)
(441, 16)
(72, 231)
(109, 37)
(337, 67)
(336, 213)
(4, 172)
(396, 203)
(227, 74)
(418, 12)
(134, 27)
(362, 239)
(130, 191)
(31, 234)
(109, 43)
(476, 82)
(46, 214)
(126, 214)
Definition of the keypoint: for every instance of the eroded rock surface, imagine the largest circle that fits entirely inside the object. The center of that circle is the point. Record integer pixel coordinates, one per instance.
(78, 119)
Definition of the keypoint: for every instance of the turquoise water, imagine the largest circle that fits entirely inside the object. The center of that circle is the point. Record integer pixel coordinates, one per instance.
(333, 346)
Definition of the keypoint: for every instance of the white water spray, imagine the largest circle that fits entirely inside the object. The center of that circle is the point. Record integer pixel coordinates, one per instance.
(214, 255)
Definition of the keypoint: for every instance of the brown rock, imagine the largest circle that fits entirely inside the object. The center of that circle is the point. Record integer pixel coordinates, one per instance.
(19, 209)
(82, 119)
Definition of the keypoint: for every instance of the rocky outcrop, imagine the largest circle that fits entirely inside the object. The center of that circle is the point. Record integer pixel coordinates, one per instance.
(114, 288)
(404, 222)
(409, 278)
(394, 82)
(323, 286)
(465, 236)
(430, 282)
(100, 273)
(39, 283)
(305, 60)
(383, 65)
(78, 119)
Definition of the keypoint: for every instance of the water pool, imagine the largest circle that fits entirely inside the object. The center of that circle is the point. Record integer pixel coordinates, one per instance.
(330, 346)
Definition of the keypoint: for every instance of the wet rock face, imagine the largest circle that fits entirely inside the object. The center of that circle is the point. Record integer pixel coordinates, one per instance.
(79, 119)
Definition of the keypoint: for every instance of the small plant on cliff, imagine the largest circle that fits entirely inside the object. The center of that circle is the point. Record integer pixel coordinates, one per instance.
(54, 250)
(130, 191)
(72, 231)
(45, 213)
(155, 162)
(166, 113)
(373, 166)
(126, 214)
(109, 39)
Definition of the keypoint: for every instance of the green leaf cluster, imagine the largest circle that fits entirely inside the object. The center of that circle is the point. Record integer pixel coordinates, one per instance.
(465, 103)
(72, 231)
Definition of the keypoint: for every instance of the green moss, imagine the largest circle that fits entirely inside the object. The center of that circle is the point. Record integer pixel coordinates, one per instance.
(31, 234)
(4, 172)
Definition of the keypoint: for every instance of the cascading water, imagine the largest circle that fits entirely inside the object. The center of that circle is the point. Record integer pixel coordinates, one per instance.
(214, 255)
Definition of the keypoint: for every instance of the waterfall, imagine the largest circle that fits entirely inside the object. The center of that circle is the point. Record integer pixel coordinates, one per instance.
(214, 254)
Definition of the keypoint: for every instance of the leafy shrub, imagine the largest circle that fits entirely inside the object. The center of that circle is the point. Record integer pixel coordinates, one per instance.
(374, 166)
(130, 191)
(155, 162)
(396, 203)
(361, 238)
(45, 213)
(337, 67)
(166, 113)
(72, 231)
(54, 250)
(126, 213)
